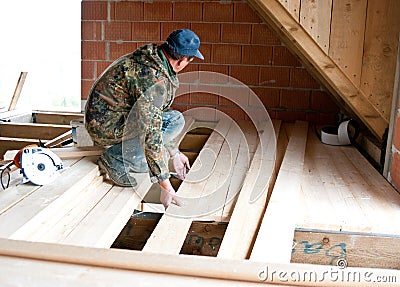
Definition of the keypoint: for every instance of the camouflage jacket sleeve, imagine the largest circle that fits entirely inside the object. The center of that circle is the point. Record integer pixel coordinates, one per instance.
(150, 108)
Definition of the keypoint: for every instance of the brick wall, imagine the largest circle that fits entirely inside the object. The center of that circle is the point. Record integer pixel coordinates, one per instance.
(234, 42)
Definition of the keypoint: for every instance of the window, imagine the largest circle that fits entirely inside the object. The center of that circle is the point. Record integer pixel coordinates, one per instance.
(42, 38)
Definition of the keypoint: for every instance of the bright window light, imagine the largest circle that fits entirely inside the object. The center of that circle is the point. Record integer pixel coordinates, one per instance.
(43, 38)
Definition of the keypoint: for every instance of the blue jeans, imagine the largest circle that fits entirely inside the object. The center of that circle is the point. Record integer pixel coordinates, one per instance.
(128, 154)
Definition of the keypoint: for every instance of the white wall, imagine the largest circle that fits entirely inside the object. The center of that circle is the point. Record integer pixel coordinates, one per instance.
(41, 37)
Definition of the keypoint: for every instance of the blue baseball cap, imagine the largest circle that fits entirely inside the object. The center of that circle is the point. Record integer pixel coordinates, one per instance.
(185, 42)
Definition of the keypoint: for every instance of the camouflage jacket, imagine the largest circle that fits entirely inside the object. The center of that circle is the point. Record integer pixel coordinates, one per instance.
(128, 99)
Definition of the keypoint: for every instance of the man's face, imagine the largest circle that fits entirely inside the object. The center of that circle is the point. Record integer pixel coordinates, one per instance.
(182, 63)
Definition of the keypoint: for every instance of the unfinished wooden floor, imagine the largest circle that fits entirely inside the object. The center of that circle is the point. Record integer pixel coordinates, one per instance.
(326, 205)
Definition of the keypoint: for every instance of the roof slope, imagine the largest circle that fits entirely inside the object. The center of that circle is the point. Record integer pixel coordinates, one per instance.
(350, 97)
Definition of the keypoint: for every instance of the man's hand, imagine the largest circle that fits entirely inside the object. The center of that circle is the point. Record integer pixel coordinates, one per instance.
(181, 164)
(167, 195)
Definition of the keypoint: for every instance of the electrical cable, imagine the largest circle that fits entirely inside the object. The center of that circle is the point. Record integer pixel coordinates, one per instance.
(6, 170)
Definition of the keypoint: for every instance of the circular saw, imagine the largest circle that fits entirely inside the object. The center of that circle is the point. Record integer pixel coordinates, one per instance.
(38, 165)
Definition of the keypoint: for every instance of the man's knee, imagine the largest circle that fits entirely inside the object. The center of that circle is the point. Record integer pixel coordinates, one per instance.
(173, 123)
(179, 119)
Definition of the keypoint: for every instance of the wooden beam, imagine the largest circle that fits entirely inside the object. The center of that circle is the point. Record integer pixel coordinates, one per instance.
(275, 237)
(17, 91)
(32, 130)
(246, 216)
(356, 249)
(85, 261)
(66, 152)
(60, 118)
(59, 140)
(321, 66)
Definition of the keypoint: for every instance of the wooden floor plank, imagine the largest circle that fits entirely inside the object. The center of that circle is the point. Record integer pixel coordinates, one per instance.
(104, 222)
(324, 206)
(275, 237)
(171, 231)
(341, 191)
(18, 191)
(246, 216)
(61, 224)
(46, 200)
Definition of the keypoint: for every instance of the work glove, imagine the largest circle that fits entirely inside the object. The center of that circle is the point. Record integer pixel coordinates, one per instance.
(168, 197)
(181, 164)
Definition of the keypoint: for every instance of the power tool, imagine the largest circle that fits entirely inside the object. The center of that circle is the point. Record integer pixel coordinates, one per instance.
(38, 165)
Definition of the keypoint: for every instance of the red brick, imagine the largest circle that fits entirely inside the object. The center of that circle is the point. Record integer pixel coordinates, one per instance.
(248, 75)
(205, 50)
(119, 49)
(244, 13)
(274, 76)
(218, 12)
(118, 31)
(235, 113)
(101, 66)
(146, 31)
(236, 33)
(292, 99)
(262, 34)
(87, 70)
(192, 67)
(168, 27)
(214, 68)
(96, 10)
(93, 50)
(86, 86)
(179, 107)
(395, 171)
(187, 11)
(234, 96)
(203, 98)
(91, 30)
(202, 113)
(128, 11)
(272, 114)
(283, 57)
(291, 116)
(182, 99)
(207, 32)
(256, 55)
(268, 97)
(226, 54)
(396, 136)
(222, 101)
(322, 101)
(300, 78)
(158, 11)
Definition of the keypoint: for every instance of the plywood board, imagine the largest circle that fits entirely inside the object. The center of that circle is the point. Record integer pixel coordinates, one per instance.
(315, 17)
(380, 53)
(347, 37)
